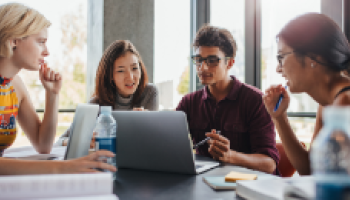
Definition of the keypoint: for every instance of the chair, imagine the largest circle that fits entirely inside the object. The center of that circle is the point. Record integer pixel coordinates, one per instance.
(284, 166)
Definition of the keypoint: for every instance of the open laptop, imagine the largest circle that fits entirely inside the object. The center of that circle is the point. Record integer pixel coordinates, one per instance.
(157, 141)
(81, 131)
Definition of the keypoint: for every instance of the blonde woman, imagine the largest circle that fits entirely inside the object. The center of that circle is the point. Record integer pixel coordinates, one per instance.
(23, 36)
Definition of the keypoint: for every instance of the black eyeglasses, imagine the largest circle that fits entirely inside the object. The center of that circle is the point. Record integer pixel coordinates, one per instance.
(212, 61)
(281, 56)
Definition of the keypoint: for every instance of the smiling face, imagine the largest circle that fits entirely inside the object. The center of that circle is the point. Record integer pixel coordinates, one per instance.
(126, 74)
(299, 75)
(31, 51)
(212, 74)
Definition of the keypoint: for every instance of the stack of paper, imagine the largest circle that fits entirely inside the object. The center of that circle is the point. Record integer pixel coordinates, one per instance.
(63, 186)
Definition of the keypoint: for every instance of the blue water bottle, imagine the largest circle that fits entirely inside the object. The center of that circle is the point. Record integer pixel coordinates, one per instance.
(330, 155)
(105, 134)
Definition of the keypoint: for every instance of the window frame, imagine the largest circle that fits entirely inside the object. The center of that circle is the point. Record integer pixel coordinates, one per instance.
(338, 10)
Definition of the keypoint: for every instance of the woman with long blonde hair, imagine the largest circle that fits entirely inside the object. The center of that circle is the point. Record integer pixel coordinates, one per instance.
(23, 36)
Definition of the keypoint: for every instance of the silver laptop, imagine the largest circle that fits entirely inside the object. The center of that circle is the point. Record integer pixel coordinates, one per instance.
(157, 141)
(81, 131)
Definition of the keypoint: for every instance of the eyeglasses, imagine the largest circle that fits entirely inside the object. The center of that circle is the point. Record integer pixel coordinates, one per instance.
(281, 56)
(211, 61)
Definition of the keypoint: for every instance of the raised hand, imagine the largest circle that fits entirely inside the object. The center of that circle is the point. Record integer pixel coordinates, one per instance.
(271, 97)
(51, 80)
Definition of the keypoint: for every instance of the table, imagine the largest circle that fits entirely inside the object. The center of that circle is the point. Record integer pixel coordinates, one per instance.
(138, 184)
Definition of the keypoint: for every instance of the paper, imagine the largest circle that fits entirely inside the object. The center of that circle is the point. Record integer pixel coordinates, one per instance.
(57, 185)
(29, 153)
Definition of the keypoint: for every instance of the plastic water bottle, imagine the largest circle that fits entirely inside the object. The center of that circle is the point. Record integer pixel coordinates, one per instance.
(105, 131)
(330, 155)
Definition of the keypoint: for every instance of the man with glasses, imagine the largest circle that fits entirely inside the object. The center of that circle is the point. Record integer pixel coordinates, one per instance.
(247, 136)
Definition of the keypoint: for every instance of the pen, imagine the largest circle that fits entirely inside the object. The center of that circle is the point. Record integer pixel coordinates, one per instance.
(279, 101)
(204, 141)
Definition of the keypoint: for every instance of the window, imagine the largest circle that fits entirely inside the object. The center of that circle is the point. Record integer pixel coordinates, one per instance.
(67, 47)
(172, 51)
(275, 14)
(230, 14)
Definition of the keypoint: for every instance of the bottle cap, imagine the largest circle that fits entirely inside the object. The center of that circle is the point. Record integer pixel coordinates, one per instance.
(106, 110)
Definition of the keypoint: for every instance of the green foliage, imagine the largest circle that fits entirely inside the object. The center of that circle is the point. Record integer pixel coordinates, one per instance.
(184, 85)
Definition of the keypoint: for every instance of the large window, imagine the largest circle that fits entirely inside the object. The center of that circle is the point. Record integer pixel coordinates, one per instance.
(67, 46)
(229, 14)
(172, 51)
(275, 14)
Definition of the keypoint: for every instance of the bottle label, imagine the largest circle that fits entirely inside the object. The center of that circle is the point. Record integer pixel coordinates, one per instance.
(333, 190)
(106, 143)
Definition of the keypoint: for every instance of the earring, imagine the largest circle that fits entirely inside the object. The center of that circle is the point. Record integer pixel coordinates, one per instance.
(14, 48)
(312, 65)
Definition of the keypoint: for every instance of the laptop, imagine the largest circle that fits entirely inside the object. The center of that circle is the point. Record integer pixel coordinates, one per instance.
(81, 131)
(157, 141)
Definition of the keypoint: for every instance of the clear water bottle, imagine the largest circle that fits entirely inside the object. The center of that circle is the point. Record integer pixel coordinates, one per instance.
(330, 155)
(105, 130)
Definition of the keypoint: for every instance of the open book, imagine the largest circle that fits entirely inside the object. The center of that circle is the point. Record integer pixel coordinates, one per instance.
(277, 189)
(58, 186)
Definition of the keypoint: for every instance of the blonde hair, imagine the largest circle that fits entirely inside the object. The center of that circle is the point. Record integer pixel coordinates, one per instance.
(18, 21)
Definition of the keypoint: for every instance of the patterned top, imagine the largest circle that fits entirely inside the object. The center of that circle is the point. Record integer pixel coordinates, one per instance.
(8, 114)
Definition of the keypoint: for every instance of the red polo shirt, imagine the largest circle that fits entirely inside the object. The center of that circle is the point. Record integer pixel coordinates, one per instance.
(241, 117)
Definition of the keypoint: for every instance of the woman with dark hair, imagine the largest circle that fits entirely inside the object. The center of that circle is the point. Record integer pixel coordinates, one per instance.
(313, 53)
(122, 82)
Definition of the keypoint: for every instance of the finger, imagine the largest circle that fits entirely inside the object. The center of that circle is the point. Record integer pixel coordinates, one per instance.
(215, 136)
(100, 153)
(52, 76)
(215, 152)
(57, 76)
(101, 165)
(222, 146)
(47, 74)
(41, 71)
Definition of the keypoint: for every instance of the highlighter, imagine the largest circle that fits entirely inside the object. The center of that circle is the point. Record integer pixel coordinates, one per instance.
(279, 101)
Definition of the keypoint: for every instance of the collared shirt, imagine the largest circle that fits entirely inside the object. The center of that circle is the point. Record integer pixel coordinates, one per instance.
(241, 117)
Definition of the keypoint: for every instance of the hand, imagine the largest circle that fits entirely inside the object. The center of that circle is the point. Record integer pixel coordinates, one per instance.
(139, 109)
(51, 80)
(87, 164)
(271, 97)
(219, 146)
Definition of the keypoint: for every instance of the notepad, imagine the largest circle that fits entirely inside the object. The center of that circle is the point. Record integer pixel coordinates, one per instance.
(219, 183)
(235, 176)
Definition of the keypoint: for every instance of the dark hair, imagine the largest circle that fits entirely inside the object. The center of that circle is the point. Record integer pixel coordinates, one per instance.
(105, 89)
(316, 35)
(211, 36)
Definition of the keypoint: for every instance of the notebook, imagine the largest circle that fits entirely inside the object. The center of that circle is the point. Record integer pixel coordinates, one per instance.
(58, 186)
(157, 141)
(219, 183)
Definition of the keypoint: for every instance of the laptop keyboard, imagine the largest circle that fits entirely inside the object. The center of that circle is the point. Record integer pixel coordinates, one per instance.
(199, 166)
